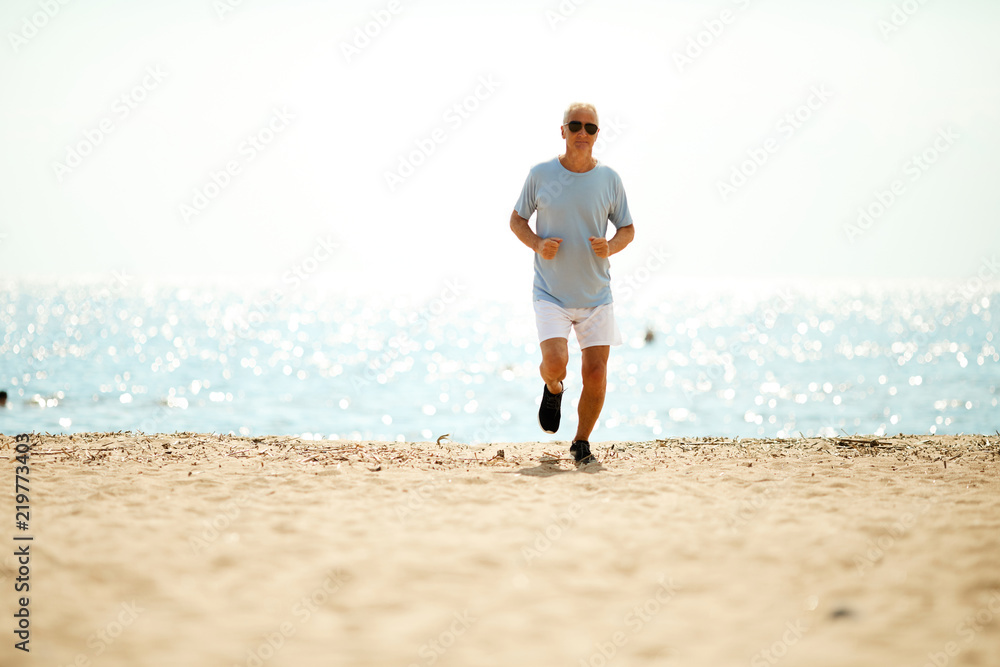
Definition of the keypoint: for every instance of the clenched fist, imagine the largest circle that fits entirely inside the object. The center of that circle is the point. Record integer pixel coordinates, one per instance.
(548, 247)
(600, 246)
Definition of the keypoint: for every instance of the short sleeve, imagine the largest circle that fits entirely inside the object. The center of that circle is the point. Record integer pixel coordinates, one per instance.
(619, 214)
(527, 202)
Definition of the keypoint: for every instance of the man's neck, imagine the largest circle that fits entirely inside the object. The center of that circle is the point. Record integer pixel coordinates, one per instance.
(578, 162)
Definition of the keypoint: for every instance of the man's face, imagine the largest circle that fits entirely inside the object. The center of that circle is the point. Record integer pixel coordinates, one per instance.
(580, 140)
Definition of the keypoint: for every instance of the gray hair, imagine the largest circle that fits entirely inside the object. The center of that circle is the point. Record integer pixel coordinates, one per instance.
(580, 105)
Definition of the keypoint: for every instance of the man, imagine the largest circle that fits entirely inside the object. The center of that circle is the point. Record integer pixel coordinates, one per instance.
(575, 196)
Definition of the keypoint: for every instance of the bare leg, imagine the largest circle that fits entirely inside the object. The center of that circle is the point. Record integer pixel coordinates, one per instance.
(595, 382)
(555, 357)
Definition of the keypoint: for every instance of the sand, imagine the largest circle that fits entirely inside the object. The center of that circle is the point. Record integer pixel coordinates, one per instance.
(190, 549)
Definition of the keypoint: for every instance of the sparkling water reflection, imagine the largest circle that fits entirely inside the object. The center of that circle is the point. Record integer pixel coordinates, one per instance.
(178, 359)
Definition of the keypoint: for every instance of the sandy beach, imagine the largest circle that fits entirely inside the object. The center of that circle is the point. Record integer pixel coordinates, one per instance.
(192, 549)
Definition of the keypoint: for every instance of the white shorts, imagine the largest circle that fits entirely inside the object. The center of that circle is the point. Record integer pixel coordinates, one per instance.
(593, 326)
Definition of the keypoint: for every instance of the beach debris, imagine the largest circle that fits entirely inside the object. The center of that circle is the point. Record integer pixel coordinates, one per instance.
(109, 449)
(499, 457)
(442, 437)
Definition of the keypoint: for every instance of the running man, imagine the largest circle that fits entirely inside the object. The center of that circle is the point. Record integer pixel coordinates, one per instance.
(575, 196)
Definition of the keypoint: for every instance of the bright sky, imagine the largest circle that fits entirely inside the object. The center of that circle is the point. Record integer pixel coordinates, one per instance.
(748, 134)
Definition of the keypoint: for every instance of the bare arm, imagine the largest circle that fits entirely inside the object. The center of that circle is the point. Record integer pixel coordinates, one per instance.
(605, 248)
(623, 236)
(522, 230)
(545, 247)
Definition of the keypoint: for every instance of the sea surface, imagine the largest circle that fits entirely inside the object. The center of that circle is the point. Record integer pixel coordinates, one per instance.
(696, 362)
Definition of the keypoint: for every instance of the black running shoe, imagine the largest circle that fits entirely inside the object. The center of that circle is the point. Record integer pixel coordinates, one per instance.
(580, 449)
(549, 411)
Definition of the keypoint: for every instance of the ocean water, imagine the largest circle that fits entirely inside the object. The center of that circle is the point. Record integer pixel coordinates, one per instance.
(774, 363)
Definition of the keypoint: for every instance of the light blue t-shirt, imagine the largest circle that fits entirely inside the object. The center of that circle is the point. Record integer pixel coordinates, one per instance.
(573, 206)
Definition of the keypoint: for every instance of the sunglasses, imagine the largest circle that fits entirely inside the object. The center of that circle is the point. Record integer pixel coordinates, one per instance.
(575, 125)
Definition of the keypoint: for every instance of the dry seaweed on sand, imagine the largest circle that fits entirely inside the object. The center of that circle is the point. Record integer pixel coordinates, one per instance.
(192, 448)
